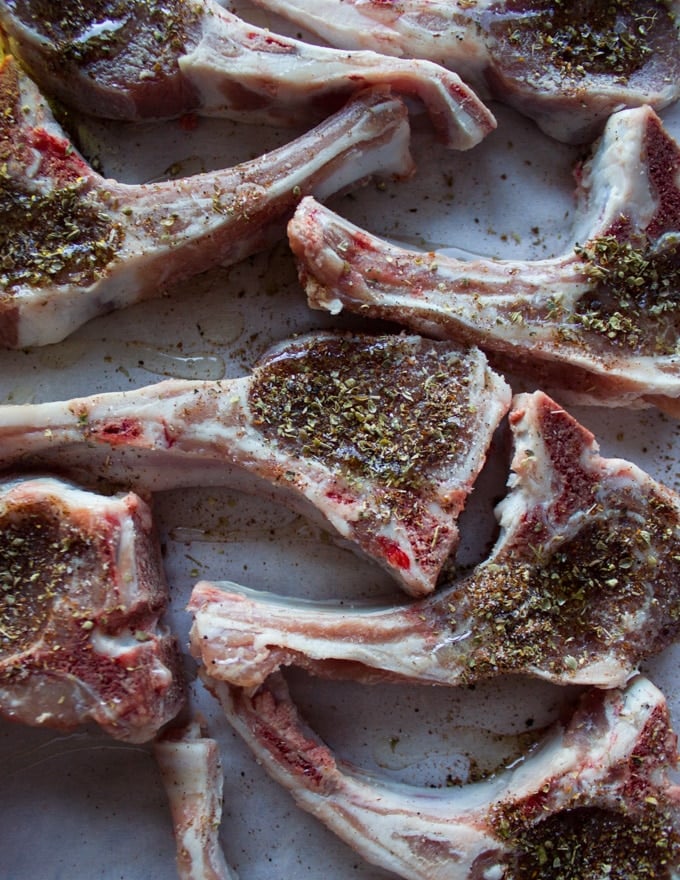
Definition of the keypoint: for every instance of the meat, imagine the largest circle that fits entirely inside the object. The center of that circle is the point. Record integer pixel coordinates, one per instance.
(138, 60)
(595, 793)
(565, 65)
(76, 245)
(381, 437)
(597, 324)
(581, 585)
(191, 771)
(83, 589)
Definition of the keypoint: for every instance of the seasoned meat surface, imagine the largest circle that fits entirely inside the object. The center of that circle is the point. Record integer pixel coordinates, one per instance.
(141, 59)
(598, 324)
(379, 437)
(566, 65)
(581, 586)
(83, 591)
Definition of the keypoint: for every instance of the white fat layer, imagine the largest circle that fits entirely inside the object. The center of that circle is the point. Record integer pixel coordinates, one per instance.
(443, 33)
(303, 70)
(616, 183)
(360, 140)
(302, 630)
(192, 775)
(381, 819)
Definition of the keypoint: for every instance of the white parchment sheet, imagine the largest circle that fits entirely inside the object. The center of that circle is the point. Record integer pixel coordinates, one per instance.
(82, 806)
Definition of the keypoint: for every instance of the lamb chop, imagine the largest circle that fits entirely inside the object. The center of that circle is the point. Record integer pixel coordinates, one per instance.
(582, 584)
(82, 592)
(566, 65)
(142, 59)
(75, 245)
(598, 324)
(192, 775)
(593, 800)
(381, 437)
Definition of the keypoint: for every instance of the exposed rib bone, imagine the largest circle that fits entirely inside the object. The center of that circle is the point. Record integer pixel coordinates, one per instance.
(566, 65)
(139, 60)
(75, 245)
(191, 771)
(595, 792)
(583, 583)
(381, 437)
(599, 323)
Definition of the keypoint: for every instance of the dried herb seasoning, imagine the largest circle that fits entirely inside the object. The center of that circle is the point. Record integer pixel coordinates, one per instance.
(587, 38)
(382, 409)
(592, 843)
(566, 605)
(152, 33)
(38, 556)
(56, 236)
(635, 299)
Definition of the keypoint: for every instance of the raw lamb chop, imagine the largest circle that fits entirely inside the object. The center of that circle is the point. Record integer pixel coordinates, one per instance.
(599, 323)
(75, 245)
(82, 591)
(583, 583)
(141, 59)
(593, 800)
(192, 775)
(381, 437)
(566, 65)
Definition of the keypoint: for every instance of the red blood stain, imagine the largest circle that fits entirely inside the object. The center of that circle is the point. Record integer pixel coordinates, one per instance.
(338, 497)
(393, 553)
(58, 158)
(122, 431)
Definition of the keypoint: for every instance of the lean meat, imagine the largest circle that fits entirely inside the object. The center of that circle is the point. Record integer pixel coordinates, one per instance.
(379, 437)
(599, 324)
(82, 591)
(583, 583)
(141, 59)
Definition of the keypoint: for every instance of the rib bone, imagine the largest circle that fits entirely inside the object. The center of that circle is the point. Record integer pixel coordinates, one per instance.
(583, 583)
(599, 323)
(191, 771)
(108, 60)
(381, 437)
(566, 65)
(75, 245)
(595, 791)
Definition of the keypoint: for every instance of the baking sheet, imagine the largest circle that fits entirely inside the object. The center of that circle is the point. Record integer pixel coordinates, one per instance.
(83, 806)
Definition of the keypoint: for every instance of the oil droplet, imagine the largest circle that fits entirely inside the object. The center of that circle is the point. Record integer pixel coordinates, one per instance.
(64, 355)
(21, 394)
(234, 529)
(179, 366)
(186, 167)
